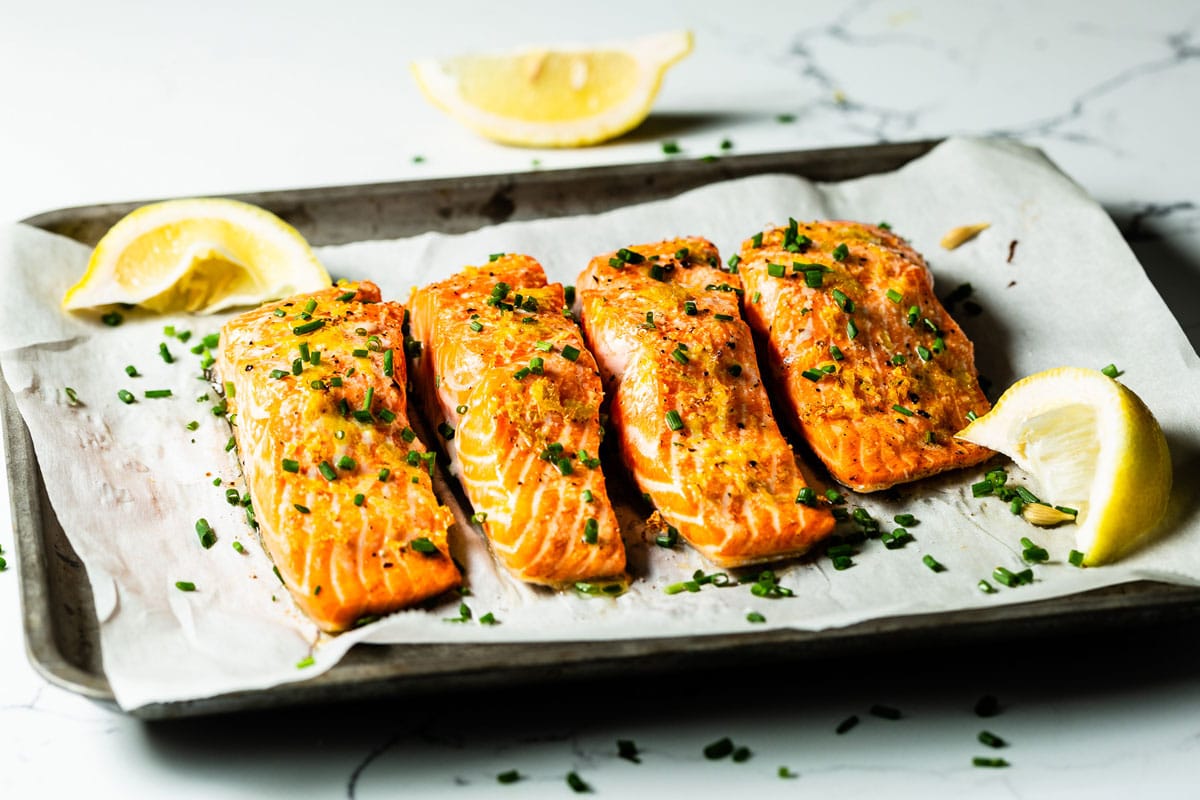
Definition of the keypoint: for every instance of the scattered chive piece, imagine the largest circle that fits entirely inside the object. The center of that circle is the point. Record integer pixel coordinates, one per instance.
(669, 148)
(112, 319)
(933, 563)
(756, 297)
(238, 547)
(741, 755)
(841, 252)
(359, 499)
(1112, 371)
(511, 776)
(627, 750)
(185, 586)
(360, 353)
(72, 397)
(989, 762)
(813, 375)
(230, 444)
(842, 563)
(982, 489)
(836, 353)
(154, 394)
(423, 545)
(495, 257)
(569, 295)
(475, 325)
(305, 662)
(301, 508)
(885, 712)
(986, 587)
(898, 360)
(679, 355)
(165, 353)
(208, 537)
(784, 772)
(719, 749)
(489, 619)
(383, 474)
(776, 270)
(906, 520)
(545, 347)
(445, 430)
(668, 539)
(991, 739)
(1076, 558)
(851, 329)
(657, 273)
(131, 371)
(346, 462)
(279, 312)
(591, 531)
(389, 359)
(346, 297)
(126, 397)
(674, 421)
(309, 327)
(408, 435)
(846, 724)
(899, 409)
(310, 306)
(756, 239)
(754, 616)
(577, 783)
(193, 425)
(570, 353)
(894, 296)
(806, 496)
(327, 471)
(814, 278)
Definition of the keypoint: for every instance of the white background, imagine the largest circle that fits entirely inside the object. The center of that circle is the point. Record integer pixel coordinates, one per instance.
(124, 100)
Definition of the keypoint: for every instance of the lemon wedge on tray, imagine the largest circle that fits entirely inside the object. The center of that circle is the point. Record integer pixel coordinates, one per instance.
(553, 97)
(1092, 445)
(197, 255)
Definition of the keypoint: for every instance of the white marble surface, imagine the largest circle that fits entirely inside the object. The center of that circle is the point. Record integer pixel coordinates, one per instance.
(134, 100)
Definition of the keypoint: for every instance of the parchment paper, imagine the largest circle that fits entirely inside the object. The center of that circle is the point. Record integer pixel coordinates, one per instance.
(129, 481)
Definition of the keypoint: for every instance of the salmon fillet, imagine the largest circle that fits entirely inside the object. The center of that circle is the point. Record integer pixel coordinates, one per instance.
(693, 421)
(876, 375)
(340, 484)
(518, 398)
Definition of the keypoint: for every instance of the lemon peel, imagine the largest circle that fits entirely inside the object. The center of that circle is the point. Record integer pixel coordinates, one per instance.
(202, 255)
(1091, 444)
(553, 97)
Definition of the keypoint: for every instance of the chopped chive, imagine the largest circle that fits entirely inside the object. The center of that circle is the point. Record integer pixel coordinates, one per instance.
(131, 371)
(569, 295)
(570, 353)
(851, 329)
(838, 550)
(165, 353)
(689, 308)
(898, 360)
(301, 508)
(309, 327)
(913, 313)
(544, 347)
(479, 517)
(1005, 576)
(511, 776)
(564, 466)
(754, 298)
(1111, 371)
(185, 586)
(359, 499)
(577, 783)
(335, 381)
(847, 724)
(834, 496)
(591, 531)
(239, 547)
(776, 270)
(894, 296)
(305, 662)
(668, 539)
(674, 421)
(346, 297)
(807, 496)
(208, 536)
(843, 302)
(346, 462)
(389, 359)
(310, 306)
(291, 466)
(423, 545)
(742, 754)
(657, 273)
(489, 619)
(362, 415)
(989, 762)
(986, 587)
(125, 396)
(982, 489)
(899, 409)
(112, 319)
(723, 317)
(669, 148)
(814, 278)
(279, 312)
(679, 355)
(813, 375)
(408, 435)
(933, 563)
(991, 739)
(939, 345)
(756, 239)
(719, 749)
(360, 353)
(1076, 558)
(923, 352)
(840, 252)
(445, 430)
(383, 474)
(327, 471)
(842, 563)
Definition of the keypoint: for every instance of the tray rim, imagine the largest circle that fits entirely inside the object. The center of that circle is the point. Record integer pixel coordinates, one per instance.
(36, 597)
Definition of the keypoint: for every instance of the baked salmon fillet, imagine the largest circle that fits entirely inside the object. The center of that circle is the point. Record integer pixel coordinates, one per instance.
(340, 484)
(517, 398)
(693, 421)
(876, 375)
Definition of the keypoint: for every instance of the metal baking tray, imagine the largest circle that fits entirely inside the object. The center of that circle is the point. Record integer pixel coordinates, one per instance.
(61, 630)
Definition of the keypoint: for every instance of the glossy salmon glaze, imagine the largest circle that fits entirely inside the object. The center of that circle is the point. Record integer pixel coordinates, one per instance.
(517, 398)
(341, 560)
(876, 374)
(664, 324)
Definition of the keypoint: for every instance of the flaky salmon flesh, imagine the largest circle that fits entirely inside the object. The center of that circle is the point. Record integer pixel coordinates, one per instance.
(516, 396)
(876, 375)
(692, 418)
(340, 484)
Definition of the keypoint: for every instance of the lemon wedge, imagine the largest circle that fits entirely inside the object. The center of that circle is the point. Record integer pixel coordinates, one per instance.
(197, 255)
(564, 97)
(1092, 445)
